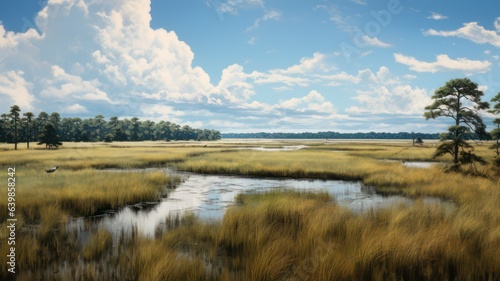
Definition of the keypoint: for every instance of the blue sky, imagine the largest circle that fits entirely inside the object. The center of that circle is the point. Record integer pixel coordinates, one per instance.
(247, 65)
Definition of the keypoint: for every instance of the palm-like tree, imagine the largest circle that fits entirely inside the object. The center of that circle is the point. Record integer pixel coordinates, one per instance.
(14, 114)
(28, 118)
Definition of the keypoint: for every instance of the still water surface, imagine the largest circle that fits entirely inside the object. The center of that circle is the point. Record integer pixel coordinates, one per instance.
(208, 197)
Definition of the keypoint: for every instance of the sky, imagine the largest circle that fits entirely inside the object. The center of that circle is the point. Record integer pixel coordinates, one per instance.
(247, 65)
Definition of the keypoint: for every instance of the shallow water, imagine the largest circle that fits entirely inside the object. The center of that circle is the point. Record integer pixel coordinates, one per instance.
(414, 164)
(283, 148)
(419, 164)
(208, 197)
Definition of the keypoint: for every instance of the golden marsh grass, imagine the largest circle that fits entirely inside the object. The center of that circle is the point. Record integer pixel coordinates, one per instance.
(305, 236)
(272, 236)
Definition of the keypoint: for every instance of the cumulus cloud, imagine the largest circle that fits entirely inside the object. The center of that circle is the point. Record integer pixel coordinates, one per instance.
(273, 77)
(473, 32)
(65, 86)
(301, 74)
(313, 101)
(317, 62)
(100, 51)
(152, 59)
(233, 86)
(15, 88)
(160, 109)
(75, 108)
(383, 76)
(402, 99)
(444, 63)
(9, 39)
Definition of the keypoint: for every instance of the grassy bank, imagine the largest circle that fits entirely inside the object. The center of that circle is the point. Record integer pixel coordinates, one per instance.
(78, 156)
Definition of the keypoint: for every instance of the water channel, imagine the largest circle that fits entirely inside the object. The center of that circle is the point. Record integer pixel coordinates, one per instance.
(208, 197)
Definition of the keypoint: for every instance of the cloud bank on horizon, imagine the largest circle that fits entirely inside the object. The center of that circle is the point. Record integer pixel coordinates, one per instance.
(248, 65)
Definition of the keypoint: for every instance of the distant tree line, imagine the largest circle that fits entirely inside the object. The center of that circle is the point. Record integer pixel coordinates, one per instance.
(332, 135)
(16, 128)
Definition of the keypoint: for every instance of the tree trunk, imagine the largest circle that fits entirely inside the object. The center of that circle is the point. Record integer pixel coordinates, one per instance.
(457, 136)
(28, 135)
(15, 134)
(498, 145)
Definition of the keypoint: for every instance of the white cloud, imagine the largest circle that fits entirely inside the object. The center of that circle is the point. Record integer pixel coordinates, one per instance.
(233, 6)
(382, 77)
(233, 86)
(271, 78)
(17, 89)
(301, 74)
(99, 51)
(402, 99)
(340, 78)
(65, 86)
(256, 105)
(160, 109)
(9, 39)
(75, 108)
(436, 16)
(152, 59)
(313, 101)
(482, 88)
(444, 63)
(158, 112)
(268, 15)
(473, 32)
(231, 125)
(252, 39)
(317, 62)
(410, 77)
(282, 88)
(99, 57)
(374, 41)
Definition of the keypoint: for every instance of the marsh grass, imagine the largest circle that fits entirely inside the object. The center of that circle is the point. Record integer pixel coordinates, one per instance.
(45, 201)
(98, 245)
(295, 164)
(99, 156)
(83, 192)
(277, 235)
(285, 235)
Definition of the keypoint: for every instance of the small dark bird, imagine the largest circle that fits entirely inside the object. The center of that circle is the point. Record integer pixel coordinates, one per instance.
(205, 145)
(51, 170)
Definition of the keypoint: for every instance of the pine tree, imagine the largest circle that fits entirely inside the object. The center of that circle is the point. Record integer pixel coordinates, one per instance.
(460, 100)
